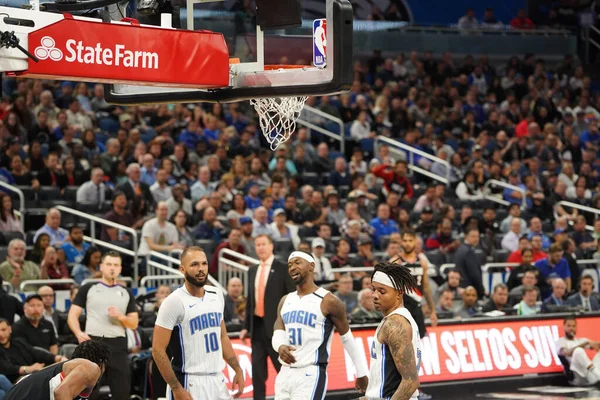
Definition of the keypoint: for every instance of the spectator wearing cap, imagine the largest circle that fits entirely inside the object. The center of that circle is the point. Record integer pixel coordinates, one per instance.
(395, 179)
(554, 266)
(428, 199)
(283, 230)
(340, 175)
(365, 257)
(426, 225)
(119, 215)
(515, 196)
(234, 243)
(246, 227)
(34, 328)
(323, 270)
(18, 358)
(52, 228)
(514, 211)
(382, 224)
(75, 248)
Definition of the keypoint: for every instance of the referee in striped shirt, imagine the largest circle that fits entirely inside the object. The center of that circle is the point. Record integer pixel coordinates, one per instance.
(110, 309)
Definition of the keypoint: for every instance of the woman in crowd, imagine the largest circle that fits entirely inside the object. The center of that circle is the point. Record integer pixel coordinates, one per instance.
(9, 222)
(89, 266)
(185, 236)
(39, 249)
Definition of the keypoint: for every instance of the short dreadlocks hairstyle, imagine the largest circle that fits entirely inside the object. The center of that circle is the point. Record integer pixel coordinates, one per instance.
(95, 351)
(400, 276)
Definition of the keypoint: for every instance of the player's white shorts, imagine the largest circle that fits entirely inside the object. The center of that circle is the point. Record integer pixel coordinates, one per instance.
(204, 387)
(307, 383)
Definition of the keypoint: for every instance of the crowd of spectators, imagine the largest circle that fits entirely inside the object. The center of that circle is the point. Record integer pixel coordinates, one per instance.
(197, 173)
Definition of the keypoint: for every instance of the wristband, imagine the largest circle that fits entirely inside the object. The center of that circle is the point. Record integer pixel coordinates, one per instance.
(360, 364)
(279, 339)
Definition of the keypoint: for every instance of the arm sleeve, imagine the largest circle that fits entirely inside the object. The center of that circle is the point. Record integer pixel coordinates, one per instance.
(131, 306)
(170, 313)
(81, 298)
(7, 367)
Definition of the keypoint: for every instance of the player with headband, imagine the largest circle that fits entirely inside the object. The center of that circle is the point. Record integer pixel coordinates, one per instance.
(396, 348)
(303, 332)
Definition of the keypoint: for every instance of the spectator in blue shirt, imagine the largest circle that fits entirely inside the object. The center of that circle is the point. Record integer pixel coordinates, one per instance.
(75, 248)
(515, 196)
(383, 225)
(211, 132)
(591, 137)
(555, 266)
(192, 135)
(253, 199)
(535, 228)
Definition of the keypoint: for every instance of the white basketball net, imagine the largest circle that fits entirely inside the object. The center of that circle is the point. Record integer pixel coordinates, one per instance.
(278, 117)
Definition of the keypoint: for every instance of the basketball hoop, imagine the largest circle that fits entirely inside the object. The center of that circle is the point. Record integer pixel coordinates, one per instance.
(278, 115)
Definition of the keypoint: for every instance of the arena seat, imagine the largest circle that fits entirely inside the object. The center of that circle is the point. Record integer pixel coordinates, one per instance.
(500, 255)
(208, 246)
(283, 246)
(6, 237)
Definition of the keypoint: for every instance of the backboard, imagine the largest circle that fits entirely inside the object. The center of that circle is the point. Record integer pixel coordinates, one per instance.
(257, 79)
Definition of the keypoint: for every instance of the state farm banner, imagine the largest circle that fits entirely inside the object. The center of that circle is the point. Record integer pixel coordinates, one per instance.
(112, 53)
(453, 352)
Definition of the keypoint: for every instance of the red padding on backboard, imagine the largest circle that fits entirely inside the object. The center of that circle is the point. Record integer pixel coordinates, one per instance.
(110, 53)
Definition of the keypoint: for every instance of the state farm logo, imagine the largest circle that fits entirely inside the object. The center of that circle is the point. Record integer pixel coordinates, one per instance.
(78, 52)
(48, 50)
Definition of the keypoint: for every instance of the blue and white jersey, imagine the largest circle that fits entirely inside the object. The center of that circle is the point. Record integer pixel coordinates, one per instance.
(308, 330)
(196, 324)
(384, 377)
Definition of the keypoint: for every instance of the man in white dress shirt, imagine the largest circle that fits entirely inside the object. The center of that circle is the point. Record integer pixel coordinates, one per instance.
(510, 241)
(94, 190)
(160, 190)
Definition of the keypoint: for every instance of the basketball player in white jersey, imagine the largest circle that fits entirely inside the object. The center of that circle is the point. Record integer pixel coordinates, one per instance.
(396, 348)
(190, 323)
(303, 332)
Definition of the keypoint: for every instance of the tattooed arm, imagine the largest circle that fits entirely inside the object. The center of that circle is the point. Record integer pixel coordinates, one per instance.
(397, 334)
(231, 359)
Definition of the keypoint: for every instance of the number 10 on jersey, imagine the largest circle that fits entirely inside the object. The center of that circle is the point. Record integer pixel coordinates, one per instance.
(295, 336)
(211, 342)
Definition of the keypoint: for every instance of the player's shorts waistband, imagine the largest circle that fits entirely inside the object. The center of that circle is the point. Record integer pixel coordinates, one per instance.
(305, 366)
(203, 373)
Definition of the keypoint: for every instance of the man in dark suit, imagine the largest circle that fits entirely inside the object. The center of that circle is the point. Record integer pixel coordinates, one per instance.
(134, 187)
(268, 283)
(583, 298)
(467, 262)
(559, 287)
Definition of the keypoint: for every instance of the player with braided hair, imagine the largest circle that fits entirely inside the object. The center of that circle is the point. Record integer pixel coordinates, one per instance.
(69, 380)
(396, 348)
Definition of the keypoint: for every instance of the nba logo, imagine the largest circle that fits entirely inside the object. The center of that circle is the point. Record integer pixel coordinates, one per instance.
(320, 43)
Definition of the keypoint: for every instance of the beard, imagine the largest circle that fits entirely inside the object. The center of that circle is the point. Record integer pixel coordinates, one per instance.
(569, 336)
(299, 280)
(408, 250)
(196, 281)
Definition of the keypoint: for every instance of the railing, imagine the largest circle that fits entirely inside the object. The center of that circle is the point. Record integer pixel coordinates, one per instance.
(44, 282)
(577, 207)
(408, 154)
(341, 137)
(93, 219)
(19, 193)
(126, 279)
(494, 182)
(418, 271)
(171, 271)
(7, 287)
(231, 269)
(161, 278)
